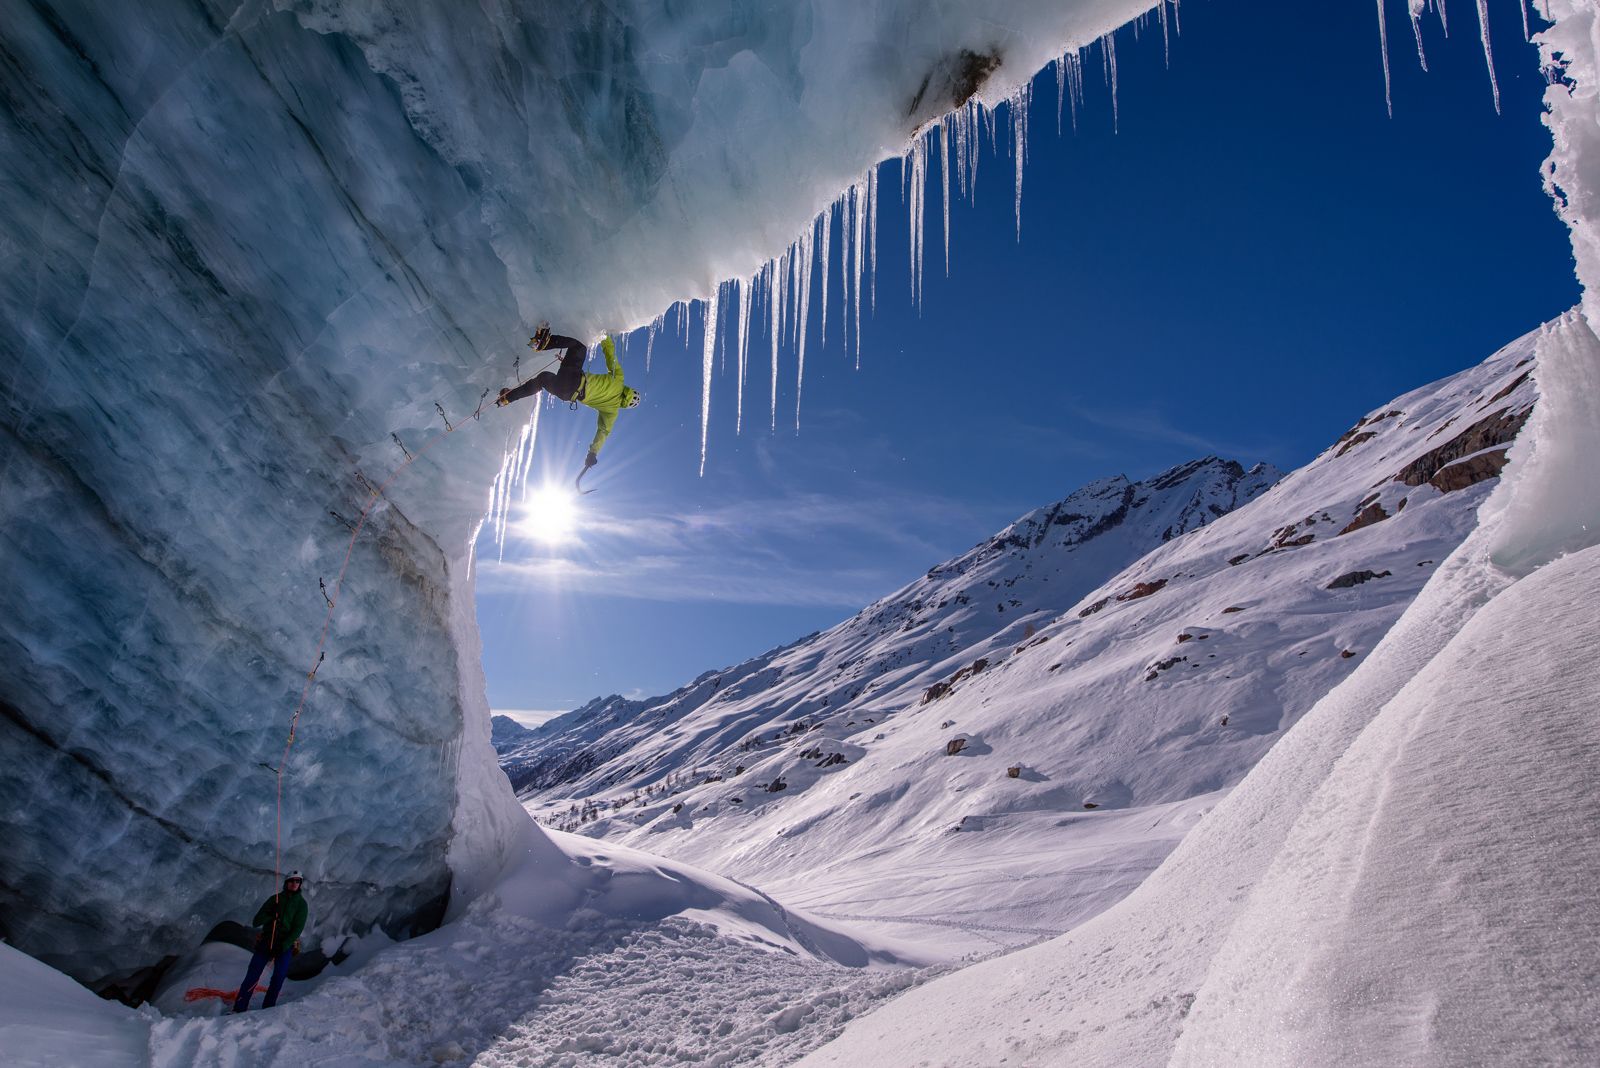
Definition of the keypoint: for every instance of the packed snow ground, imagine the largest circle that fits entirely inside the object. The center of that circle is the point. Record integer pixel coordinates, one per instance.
(582, 953)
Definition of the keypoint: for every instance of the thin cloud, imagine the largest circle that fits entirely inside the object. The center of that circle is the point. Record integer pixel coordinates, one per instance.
(799, 549)
(1151, 425)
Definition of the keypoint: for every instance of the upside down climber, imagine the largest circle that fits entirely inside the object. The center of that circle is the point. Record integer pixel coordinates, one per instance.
(607, 394)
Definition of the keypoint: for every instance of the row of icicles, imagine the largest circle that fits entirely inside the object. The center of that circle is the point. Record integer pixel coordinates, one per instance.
(781, 290)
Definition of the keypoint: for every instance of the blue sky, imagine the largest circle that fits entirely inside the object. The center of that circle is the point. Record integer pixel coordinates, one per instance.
(1255, 257)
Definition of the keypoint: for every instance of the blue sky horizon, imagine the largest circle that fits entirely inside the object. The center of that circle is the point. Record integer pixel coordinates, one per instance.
(1253, 256)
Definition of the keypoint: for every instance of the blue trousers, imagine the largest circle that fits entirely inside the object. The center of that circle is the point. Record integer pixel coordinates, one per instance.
(258, 964)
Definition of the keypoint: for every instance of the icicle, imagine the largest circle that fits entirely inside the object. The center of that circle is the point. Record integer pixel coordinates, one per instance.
(650, 340)
(708, 356)
(913, 170)
(803, 317)
(1060, 66)
(775, 330)
(683, 321)
(1444, 17)
(824, 254)
(1416, 7)
(1166, 40)
(1073, 64)
(960, 135)
(858, 245)
(872, 234)
(944, 177)
(744, 349)
(1488, 51)
(1019, 133)
(1527, 34)
(1383, 46)
(1108, 43)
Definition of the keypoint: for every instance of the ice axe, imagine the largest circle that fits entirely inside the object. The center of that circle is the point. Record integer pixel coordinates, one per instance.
(577, 483)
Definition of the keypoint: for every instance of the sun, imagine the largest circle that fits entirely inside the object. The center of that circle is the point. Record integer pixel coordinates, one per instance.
(550, 515)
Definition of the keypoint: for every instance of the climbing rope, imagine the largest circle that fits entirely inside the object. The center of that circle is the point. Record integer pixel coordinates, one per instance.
(332, 599)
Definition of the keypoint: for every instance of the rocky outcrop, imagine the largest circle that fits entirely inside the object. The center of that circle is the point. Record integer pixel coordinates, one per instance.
(1469, 471)
(1355, 578)
(1368, 515)
(1142, 589)
(1500, 428)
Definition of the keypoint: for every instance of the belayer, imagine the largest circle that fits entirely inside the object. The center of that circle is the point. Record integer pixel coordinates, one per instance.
(281, 918)
(607, 394)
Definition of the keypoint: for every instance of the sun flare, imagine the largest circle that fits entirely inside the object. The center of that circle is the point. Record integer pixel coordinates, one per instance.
(550, 515)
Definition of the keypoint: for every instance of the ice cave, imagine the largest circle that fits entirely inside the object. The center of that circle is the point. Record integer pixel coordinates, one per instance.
(265, 263)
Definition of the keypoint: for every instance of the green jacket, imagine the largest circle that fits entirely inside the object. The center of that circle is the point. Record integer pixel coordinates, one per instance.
(605, 394)
(282, 917)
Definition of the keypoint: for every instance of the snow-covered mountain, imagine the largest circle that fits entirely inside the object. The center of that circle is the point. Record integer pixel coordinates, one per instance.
(1035, 568)
(1129, 652)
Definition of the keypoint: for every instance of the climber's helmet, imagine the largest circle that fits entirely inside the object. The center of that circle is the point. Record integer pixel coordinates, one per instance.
(631, 397)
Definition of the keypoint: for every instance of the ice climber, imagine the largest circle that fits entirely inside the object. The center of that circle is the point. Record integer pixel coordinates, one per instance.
(281, 918)
(607, 394)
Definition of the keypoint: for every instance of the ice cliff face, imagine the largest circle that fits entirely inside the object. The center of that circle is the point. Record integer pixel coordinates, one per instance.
(243, 245)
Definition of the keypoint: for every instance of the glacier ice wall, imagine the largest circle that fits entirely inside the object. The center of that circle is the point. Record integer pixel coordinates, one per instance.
(245, 249)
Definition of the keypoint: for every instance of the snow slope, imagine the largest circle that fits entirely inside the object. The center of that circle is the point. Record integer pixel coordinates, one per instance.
(1404, 878)
(1142, 645)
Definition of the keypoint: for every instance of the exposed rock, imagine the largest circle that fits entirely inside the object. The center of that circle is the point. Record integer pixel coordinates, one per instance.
(1162, 665)
(1142, 589)
(1512, 388)
(835, 758)
(1235, 561)
(1232, 608)
(1499, 428)
(1352, 442)
(1185, 637)
(1372, 513)
(954, 746)
(1469, 472)
(1355, 578)
(1356, 435)
(1346, 655)
(1014, 771)
(1223, 722)
(776, 786)
(1090, 804)
(1092, 609)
